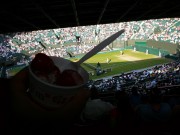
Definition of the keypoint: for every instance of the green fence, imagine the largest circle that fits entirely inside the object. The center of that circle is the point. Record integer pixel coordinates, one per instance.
(129, 47)
(141, 43)
(150, 50)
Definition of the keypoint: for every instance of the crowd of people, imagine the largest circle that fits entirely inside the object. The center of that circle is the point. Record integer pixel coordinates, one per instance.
(139, 102)
(156, 76)
(79, 40)
(158, 29)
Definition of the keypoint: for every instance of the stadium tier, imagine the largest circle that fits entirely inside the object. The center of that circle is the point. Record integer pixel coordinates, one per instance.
(134, 81)
(159, 37)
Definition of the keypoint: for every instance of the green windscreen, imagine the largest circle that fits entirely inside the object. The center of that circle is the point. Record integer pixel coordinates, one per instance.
(141, 43)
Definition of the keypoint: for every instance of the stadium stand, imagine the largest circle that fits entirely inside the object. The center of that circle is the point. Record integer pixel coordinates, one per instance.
(117, 90)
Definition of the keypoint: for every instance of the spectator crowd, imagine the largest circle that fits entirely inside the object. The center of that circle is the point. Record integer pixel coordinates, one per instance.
(79, 40)
(139, 92)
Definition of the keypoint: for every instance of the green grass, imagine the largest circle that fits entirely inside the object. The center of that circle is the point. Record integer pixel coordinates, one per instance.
(119, 63)
(14, 70)
(130, 61)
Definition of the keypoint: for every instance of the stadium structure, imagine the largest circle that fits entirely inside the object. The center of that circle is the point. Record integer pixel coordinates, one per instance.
(139, 70)
(157, 37)
(144, 46)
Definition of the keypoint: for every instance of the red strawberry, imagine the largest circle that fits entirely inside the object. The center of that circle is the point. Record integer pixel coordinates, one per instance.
(54, 74)
(43, 76)
(70, 78)
(42, 62)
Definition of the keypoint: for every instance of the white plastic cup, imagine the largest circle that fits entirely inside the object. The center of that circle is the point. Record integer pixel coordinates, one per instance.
(51, 95)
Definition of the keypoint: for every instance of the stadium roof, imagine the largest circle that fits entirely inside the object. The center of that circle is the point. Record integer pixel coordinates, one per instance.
(29, 15)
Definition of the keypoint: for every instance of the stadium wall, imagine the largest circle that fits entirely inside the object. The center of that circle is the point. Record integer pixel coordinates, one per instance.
(170, 47)
(118, 44)
(166, 46)
(133, 42)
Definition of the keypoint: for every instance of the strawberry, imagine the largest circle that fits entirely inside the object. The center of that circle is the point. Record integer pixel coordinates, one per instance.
(42, 62)
(44, 67)
(54, 75)
(70, 78)
(43, 76)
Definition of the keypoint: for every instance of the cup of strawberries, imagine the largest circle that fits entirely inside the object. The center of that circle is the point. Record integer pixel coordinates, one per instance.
(52, 87)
